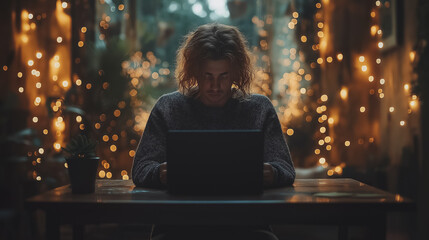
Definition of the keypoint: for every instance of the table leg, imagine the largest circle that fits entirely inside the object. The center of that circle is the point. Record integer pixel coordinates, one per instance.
(78, 231)
(342, 232)
(52, 226)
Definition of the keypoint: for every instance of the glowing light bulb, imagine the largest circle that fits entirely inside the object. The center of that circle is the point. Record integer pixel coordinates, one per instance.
(344, 93)
(412, 56)
(132, 153)
(59, 39)
(113, 148)
(324, 97)
(57, 146)
(406, 87)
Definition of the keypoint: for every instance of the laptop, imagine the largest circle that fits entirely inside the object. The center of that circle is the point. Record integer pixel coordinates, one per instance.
(215, 162)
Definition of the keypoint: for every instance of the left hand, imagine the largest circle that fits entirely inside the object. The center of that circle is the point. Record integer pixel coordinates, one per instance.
(268, 174)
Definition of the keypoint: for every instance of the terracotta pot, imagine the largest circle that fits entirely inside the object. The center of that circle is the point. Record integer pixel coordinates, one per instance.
(82, 173)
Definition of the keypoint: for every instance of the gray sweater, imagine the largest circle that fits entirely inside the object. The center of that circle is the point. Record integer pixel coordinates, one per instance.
(174, 111)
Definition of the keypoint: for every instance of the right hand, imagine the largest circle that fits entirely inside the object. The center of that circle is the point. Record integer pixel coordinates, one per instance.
(163, 173)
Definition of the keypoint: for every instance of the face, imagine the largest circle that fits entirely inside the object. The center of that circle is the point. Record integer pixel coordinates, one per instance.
(215, 83)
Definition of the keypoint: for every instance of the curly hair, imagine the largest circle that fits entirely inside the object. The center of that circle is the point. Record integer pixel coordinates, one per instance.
(213, 42)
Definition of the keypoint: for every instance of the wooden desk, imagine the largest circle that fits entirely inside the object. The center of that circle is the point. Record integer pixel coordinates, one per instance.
(341, 202)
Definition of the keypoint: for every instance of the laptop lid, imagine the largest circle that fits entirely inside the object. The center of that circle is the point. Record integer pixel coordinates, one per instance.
(215, 162)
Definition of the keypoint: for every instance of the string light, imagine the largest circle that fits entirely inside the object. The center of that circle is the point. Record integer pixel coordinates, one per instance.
(406, 87)
(137, 81)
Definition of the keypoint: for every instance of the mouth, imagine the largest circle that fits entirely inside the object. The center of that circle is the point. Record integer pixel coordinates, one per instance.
(215, 95)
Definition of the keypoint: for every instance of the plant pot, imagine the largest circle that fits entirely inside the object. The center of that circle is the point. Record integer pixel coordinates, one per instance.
(82, 173)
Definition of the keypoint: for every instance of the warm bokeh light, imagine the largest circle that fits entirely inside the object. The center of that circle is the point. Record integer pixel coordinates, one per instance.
(324, 98)
(344, 93)
(406, 87)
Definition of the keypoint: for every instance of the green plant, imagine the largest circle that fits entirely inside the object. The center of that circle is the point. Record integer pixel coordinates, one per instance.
(81, 147)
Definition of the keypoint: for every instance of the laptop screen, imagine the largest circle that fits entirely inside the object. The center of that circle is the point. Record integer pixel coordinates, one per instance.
(215, 162)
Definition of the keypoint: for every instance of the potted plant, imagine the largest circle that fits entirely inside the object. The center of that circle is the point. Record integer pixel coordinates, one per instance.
(82, 164)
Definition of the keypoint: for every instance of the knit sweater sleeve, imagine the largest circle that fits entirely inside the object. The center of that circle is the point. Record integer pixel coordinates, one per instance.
(151, 150)
(276, 150)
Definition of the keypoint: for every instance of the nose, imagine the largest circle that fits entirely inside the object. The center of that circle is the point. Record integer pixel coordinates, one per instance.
(215, 84)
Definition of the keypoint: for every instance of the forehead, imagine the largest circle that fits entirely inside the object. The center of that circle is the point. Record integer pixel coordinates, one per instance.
(216, 66)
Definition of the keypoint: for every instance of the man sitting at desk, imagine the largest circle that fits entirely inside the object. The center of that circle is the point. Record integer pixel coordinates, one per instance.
(214, 72)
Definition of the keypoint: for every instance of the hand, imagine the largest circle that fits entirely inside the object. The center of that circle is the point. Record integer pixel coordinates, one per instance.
(268, 174)
(163, 173)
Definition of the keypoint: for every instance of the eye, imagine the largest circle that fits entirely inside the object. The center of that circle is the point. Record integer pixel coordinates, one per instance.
(208, 77)
(224, 76)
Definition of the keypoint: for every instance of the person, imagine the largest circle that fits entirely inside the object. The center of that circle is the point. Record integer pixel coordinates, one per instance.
(214, 72)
